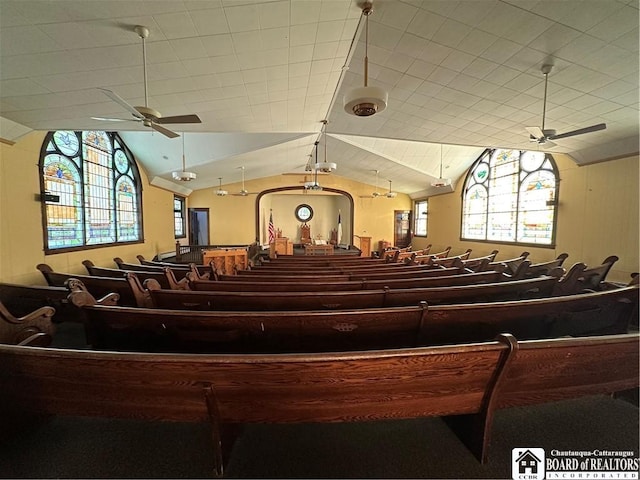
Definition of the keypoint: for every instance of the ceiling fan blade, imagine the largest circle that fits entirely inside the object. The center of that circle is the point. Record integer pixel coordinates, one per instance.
(179, 119)
(580, 131)
(115, 119)
(535, 132)
(119, 100)
(165, 131)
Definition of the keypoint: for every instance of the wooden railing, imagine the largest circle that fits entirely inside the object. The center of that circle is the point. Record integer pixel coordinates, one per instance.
(194, 253)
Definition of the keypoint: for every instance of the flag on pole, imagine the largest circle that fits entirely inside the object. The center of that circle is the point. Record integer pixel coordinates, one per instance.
(272, 229)
(339, 235)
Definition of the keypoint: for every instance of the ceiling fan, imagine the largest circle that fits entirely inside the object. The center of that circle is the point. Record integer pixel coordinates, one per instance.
(146, 115)
(375, 193)
(243, 192)
(543, 136)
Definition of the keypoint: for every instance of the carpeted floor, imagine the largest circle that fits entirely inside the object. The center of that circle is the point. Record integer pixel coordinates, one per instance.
(424, 448)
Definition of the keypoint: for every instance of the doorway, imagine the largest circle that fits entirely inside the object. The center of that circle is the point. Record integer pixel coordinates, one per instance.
(402, 228)
(198, 226)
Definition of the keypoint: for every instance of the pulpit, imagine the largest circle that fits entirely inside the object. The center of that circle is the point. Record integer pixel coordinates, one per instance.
(364, 245)
(305, 234)
(280, 246)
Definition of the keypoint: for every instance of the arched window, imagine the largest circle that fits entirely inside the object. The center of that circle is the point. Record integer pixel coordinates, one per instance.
(510, 196)
(91, 191)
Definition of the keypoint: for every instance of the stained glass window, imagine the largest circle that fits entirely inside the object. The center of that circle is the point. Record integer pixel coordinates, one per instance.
(96, 179)
(509, 196)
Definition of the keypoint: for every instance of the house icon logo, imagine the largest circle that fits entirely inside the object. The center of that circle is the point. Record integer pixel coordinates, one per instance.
(527, 463)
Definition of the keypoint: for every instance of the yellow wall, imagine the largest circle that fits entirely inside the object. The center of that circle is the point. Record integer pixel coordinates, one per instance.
(21, 238)
(597, 217)
(232, 218)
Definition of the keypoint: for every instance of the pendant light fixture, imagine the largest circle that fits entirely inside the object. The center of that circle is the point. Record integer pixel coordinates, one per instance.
(390, 194)
(441, 182)
(183, 176)
(314, 185)
(220, 192)
(325, 166)
(366, 101)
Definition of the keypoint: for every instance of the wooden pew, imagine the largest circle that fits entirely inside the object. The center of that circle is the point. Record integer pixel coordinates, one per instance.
(320, 261)
(333, 269)
(423, 259)
(511, 264)
(471, 264)
(413, 271)
(349, 285)
(165, 278)
(129, 289)
(295, 266)
(224, 390)
(540, 371)
(446, 262)
(468, 383)
(179, 271)
(34, 328)
(204, 271)
(593, 278)
(536, 269)
(324, 278)
(607, 312)
(21, 300)
(322, 300)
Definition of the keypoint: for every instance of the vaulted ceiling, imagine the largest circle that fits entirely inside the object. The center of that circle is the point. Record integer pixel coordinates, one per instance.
(262, 75)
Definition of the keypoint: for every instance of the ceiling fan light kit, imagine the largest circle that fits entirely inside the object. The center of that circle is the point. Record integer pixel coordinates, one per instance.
(220, 192)
(440, 181)
(390, 194)
(366, 101)
(325, 167)
(314, 185)
(184, 175)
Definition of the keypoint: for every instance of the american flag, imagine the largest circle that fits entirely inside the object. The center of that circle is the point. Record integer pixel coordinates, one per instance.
(272, 229)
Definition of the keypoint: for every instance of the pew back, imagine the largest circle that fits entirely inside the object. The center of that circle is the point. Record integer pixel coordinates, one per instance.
(23, 299)
(129, 289)
(469, 381)
(248, 297)
(597, 313)
(550, 370)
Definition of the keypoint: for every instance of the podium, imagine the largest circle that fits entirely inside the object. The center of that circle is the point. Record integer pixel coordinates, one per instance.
(280, 246)
(365, 246)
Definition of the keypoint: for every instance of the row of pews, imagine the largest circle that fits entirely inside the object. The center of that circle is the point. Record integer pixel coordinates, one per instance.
(318, 340)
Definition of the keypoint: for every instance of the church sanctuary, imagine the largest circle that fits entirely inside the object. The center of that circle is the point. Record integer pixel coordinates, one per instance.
(319, 239)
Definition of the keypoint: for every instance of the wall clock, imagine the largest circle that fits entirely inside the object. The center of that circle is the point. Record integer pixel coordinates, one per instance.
(304, 212)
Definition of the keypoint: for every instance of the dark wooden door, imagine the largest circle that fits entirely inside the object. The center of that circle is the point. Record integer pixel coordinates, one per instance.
(402, 228)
